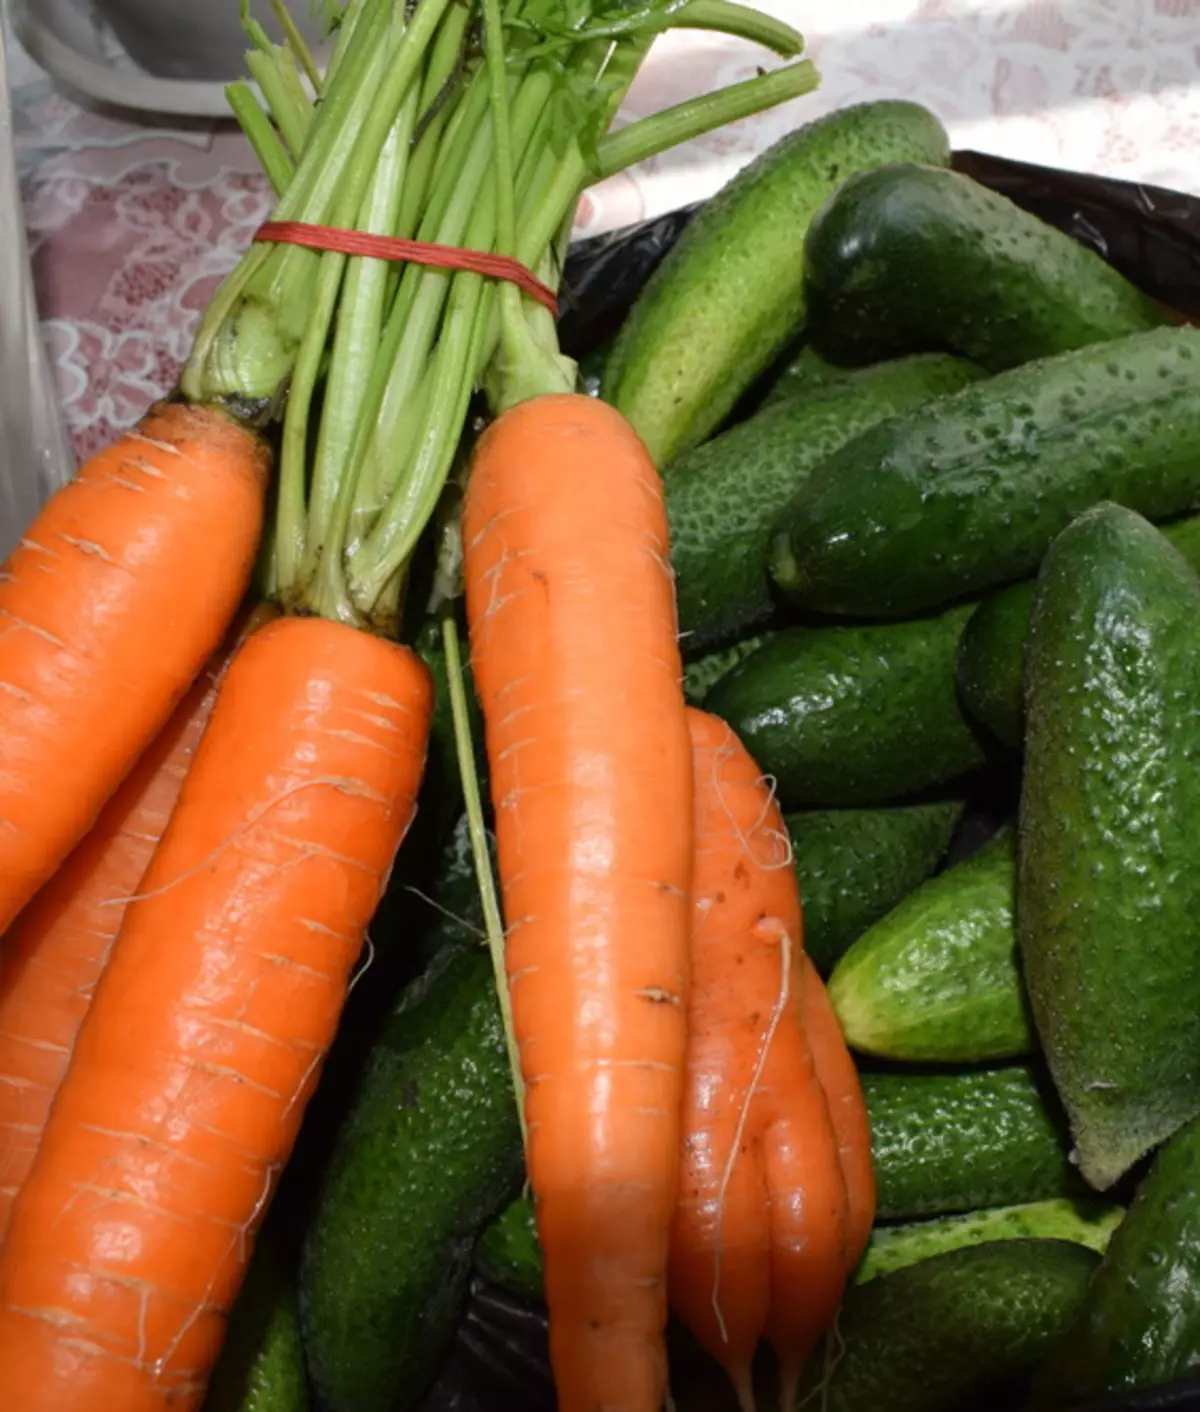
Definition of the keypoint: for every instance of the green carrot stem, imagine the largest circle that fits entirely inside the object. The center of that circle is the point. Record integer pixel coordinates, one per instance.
(356, 340)
(271, 153)
(295, 42)
(741, 22)
(650, 136)
(492, 920)
(290, 116)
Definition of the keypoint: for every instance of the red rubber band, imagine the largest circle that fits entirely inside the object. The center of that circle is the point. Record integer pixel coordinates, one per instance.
(417, 252)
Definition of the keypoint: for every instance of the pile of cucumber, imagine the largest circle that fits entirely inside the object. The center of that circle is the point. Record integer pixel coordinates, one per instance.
(915, 446)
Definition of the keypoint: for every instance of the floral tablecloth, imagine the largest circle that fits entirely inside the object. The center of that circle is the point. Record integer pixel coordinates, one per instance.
(131, 226)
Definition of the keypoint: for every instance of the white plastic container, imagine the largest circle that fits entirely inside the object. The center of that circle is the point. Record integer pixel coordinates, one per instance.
(35, 456)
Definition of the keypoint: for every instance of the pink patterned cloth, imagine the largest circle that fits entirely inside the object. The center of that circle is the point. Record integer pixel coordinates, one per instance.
(132, 226)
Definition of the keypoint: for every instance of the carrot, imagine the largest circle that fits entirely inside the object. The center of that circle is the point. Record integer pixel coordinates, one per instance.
(843, 1092)
(56, 950)
(572, 620)
(131, 1234)
(758, 1244)
(121, 589)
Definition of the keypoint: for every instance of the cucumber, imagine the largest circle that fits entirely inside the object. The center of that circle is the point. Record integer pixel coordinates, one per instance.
(991, 654)
(910, 258)
(429, 1153)
(854, 865)
(509, 1254)
(510, 1257)
(1108, 882)
(1139, 1326)
(723, 498)
(966, 492)
(951, 1332)
(959, 1142)
(803, 374)
(700, 676)
(938, 978)
(1089, 1223)
(261, 1367)
(853, 715)
(729, 296)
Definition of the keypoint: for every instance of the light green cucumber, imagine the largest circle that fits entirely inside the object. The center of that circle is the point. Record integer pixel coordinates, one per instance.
(729, 296)
(1108, 885)
(938, 979)
(854, 865)
(261, 1367)
(700, 676)
(1089, 1223)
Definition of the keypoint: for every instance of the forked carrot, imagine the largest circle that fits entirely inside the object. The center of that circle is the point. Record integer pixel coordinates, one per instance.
(190, 1075)
(847, 1109)
(572, 619)
(118, 594)
(56, 950)
(758, 1244)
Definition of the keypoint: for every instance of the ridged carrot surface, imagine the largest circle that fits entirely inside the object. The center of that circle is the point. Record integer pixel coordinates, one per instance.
(56, 950)
(847, 1109)
(572, 619)
(190, 1075)
(118, 594)
(758, 1244)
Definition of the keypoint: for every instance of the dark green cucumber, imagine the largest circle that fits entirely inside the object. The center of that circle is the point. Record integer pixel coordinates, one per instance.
(700, 676)
(1108, 884)
(852, 715)
(803, 374)
(1139, 1326)
(729, 296)
(429, 1153)
(723, 498)
(854, 865)
(1089, 1223)
(959, 1142)
(938, 979)
(991, 655)
(952, 1331)
(261, 1367)
(509, 1253)
(966, 492)
(945, 1143)
(910, 259)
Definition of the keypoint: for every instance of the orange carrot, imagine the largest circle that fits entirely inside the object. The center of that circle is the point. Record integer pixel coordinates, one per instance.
(118, 594)
(847, 1109)
(56, 950)
(572, 617)
(758, 1244)
(190, 1075)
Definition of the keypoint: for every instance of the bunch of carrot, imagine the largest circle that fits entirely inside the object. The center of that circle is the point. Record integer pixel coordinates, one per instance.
(190, 854)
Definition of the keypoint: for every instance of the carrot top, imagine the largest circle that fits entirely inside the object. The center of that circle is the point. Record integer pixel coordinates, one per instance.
(470, 123)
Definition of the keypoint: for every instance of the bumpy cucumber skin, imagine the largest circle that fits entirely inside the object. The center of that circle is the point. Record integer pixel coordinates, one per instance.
(1089, 1223)
(991, 654)
(1139, 1326)
(1108, 881)
(854, 865)
(853, 715)
(729, 295)
(909, 258)
(941, 1335)
(430, 1151)
(802, 375)
(261, 1367)
(723, 498)
(700, 676)
(967, 492)
(959, 1142)
(938, 980)
(508, 1252)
